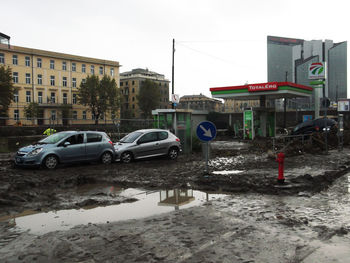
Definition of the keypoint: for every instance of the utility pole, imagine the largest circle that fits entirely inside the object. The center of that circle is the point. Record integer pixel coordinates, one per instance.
(285, 107)
(172, 75)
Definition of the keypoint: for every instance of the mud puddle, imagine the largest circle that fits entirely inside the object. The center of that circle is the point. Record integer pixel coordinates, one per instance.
(148, 203)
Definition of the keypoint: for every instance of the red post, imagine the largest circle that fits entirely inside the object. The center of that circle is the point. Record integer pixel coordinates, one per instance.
(280, 160)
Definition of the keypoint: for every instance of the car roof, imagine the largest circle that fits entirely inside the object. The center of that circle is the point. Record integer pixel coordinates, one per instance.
(72, 132)
(150, 130)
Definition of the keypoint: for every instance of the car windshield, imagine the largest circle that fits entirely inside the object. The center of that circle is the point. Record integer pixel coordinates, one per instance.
(54, 138)
(131, 137)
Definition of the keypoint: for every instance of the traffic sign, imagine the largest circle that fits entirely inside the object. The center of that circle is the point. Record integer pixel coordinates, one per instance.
(206, 131)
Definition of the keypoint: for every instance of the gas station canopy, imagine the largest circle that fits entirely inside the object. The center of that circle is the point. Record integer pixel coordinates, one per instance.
(271, 90)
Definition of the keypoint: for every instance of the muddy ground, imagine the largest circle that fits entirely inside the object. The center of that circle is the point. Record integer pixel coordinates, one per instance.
(258, 221)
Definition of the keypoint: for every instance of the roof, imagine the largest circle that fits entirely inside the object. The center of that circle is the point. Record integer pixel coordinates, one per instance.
(44, 53)
(272, 90)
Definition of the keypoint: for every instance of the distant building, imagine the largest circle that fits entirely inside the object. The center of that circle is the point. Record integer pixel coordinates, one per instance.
(232, 105)
(51, 79)
(130, 83)
(200, 102)
(288, 60)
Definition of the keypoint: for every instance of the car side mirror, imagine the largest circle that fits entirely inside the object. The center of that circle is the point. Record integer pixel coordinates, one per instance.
(138, 142)
(66, 144)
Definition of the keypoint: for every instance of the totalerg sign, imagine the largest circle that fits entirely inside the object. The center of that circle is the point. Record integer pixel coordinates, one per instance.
(263, 86)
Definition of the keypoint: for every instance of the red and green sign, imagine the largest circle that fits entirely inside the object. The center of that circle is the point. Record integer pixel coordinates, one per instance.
(317, 70)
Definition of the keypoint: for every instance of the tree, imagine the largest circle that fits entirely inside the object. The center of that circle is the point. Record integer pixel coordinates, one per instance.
(32, 111)
(148, 97)
(100, 96)
(6, 89)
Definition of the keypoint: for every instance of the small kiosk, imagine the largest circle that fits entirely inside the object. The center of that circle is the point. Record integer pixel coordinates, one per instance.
(262, 120)
(178, 122)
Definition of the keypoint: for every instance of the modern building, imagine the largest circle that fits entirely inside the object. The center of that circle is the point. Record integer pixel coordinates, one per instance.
(200, 102)
(130, 84)
(288, 59)
(51, 79)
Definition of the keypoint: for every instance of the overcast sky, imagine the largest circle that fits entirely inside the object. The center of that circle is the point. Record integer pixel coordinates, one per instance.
(218, 42)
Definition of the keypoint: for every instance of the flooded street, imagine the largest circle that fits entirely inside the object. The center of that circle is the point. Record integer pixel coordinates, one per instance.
(164, 211)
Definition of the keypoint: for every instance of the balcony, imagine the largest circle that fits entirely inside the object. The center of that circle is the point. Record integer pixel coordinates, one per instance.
(55, 105)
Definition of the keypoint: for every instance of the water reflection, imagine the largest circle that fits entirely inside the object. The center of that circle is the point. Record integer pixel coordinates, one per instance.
(149, 203)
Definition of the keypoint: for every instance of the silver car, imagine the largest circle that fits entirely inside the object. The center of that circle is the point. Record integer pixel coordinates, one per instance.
(67, 147)
(147, 143)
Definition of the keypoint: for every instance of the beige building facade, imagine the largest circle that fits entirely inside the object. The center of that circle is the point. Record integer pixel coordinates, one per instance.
(51, 79)
(200, 102)
(130, 84)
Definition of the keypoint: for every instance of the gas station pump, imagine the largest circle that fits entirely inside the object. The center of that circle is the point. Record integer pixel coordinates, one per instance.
(248, 122)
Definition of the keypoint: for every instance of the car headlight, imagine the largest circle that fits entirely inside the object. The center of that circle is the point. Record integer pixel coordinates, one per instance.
(35, 152)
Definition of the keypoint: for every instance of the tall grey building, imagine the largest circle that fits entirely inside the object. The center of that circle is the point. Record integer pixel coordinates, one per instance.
(288, 60)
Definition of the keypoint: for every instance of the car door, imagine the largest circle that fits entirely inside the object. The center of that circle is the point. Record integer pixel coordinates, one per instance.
(94, 145)
(74, 151)
(147, 145)
(163, 142)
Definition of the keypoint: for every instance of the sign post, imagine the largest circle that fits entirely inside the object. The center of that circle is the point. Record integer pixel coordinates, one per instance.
(317, 73)
(206, 131)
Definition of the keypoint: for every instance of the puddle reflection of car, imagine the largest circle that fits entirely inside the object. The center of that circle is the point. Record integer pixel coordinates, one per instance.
(316, 125)
(147, 143)
(67, 147)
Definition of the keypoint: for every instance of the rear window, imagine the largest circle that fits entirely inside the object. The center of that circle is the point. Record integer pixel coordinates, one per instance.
(162, 135)
(94, 137)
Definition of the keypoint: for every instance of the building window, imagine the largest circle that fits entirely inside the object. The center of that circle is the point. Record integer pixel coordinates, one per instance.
(64, 81)
(27, 78)
(64, 65)
(83, 81)
(53, 115)
(65, 99)
(84, 115)
(14, 59)
(27, 61)
(40, 97)
(112, 72)
(38, 62)
(92, 69)
(101, 70)
(74, 67)
(52, 80)
(2, 58)
(40, 79)
(15, 96)
(16, 115)
(28, 97)
(74, 98)
(121, 84)
(53, 97)
(133, 106)
(133, 82)
(15, 77)
(74, 82)
(133, 90)
(52, 64)
(75, 115)
(83, 68)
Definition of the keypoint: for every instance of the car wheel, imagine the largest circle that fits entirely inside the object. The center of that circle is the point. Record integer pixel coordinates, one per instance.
(126, 157)
(51, 162)
(106, 158)
(173, 153)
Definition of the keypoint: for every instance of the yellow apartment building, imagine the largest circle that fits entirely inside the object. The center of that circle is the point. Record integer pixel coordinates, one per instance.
(130, 83)
(51, 79)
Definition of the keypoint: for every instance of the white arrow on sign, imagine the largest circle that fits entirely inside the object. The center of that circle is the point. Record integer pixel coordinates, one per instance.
(207, 133)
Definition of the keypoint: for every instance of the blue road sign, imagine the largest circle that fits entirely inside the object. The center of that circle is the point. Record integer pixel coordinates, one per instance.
(206, 131)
